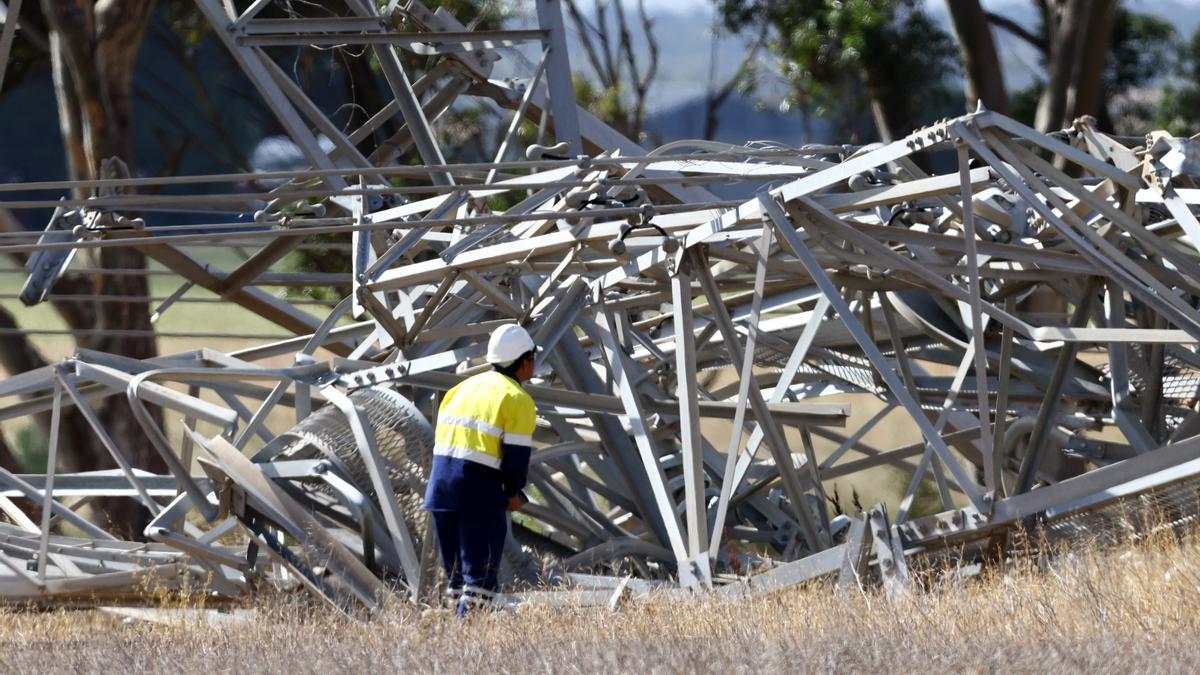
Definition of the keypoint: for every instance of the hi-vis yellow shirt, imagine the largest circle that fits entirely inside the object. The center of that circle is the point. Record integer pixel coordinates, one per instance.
(482, 414)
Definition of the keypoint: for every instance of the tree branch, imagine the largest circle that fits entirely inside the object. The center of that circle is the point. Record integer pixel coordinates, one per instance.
(716, 98)
(585, 38)
(651, 45)
(1005, 23)
(611, 74)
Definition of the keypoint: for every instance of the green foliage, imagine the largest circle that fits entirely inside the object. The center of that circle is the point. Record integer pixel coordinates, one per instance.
(320, 260)
(1179, 112)
(1022, 104)
(926, 502)
(1141, 51)
(607, 103)
(32, 450)
(841, 54)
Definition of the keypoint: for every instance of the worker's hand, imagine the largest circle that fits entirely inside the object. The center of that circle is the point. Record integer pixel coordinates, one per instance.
(515, 503)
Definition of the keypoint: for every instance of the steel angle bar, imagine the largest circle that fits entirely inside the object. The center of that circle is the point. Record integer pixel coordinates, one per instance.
(870, 350)
(519, 114)
(252, 65)
(32, 582)
(51, 469)
(1047, 417)
(230, 378)
(137, 389)
(549, 330)
(1087, 242)
(362, 255)
(906, 191)
(243, 413)
(852, 441)
(499, 298)
(283, 511)
(1083, 159)
(106, 440)
(792, 573)
(1004, 379)
(782, 387)
(592, 521)
(1186, 264)
(390, 150)
(447, 205)
(254, 299)
(364, 438)
(978, 323)
(410, 107)
(260, 416)
(928, 458)
(99, 483)
(888, 553)
(303, 25)
(174, 513)
(1037, 333)
(614, 549)
(735, 473)
(814, 475)
(1118, 375)
(1162, 466)
(424, 44)
(115, 582)
(258, 263)
(558, 75)
(12, 18)
(250, 12)
(24, 523)
(858, 550)
(690, 435)
(623, 374)
(35, 495)
(432, 303)
(776, 442)
(202, 551)
(1182, 214)
(389, 330)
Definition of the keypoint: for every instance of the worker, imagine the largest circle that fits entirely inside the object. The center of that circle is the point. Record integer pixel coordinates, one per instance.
(480, 459)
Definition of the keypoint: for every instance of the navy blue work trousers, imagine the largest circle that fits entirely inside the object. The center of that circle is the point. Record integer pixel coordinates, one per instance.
(471, 544)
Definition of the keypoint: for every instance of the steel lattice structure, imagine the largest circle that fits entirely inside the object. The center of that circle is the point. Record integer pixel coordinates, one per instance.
(852, 271)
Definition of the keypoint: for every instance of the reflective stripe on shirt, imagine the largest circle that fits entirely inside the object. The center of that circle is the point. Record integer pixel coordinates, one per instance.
(467, 454)
(518, 439)
(472, 424)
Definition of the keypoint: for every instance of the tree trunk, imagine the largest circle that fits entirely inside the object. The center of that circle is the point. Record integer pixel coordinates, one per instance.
(94, 47)
(984, 80)
(1067, 23)
(891, 106)
(1084, 95)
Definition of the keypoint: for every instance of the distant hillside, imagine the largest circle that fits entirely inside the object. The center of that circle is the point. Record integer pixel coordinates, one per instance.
(740, 121)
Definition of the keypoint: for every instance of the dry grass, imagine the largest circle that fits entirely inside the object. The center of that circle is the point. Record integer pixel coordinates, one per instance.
(1092, 611)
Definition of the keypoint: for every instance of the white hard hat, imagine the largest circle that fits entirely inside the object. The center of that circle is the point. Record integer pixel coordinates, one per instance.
(508, 343)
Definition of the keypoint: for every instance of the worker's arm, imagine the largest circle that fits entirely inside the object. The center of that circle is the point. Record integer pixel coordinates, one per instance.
(520, 421)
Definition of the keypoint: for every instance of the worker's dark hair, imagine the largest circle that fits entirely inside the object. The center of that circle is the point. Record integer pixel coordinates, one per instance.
(512, 368)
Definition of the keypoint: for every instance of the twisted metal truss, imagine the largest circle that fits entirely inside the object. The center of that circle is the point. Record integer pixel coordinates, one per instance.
(1032, 313)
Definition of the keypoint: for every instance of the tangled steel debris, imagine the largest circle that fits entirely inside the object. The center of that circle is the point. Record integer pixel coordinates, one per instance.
(1031, 311)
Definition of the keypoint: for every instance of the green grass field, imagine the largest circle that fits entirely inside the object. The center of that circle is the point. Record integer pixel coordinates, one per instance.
(183, 317)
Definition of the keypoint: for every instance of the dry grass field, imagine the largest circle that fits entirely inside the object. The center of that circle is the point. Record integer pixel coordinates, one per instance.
(1131, 609)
